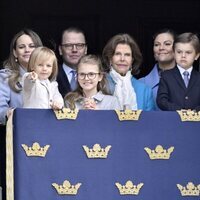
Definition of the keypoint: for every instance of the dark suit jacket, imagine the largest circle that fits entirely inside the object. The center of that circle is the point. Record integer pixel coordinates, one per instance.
(173, 94)
(63, 82)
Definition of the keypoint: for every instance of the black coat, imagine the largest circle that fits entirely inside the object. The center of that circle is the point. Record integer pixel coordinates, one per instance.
(173, 94)
(63, 82)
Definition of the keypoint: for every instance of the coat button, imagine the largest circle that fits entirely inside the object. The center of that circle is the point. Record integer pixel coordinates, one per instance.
(186, 97)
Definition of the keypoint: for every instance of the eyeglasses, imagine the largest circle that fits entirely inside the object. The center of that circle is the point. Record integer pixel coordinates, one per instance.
(90, 75)
(71, 46)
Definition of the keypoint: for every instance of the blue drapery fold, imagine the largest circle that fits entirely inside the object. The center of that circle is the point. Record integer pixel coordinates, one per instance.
(127, 160)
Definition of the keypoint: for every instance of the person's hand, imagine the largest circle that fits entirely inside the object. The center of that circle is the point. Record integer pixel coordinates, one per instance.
(32, 76)
(56, 105)
(89, 103)
(9, 112)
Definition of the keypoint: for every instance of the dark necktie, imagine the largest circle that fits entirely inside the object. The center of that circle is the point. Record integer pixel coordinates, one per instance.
(73, 82)
(186, 78)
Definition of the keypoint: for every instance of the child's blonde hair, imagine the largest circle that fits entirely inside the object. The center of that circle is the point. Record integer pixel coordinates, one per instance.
(71, 97)
(42, 54)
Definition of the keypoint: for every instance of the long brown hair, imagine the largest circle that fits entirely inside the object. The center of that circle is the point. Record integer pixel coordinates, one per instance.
(72, 97)
(11, 63)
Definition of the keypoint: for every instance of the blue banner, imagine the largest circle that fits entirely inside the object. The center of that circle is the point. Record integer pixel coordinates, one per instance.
(127, 159)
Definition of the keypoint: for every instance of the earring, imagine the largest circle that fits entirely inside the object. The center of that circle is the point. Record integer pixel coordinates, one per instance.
(16, 60)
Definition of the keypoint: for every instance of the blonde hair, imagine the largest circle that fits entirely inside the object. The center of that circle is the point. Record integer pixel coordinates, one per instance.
(40, 54)
(72, 97)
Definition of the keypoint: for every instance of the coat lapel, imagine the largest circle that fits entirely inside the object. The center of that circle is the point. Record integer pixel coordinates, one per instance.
(193, 79)
(179, 78)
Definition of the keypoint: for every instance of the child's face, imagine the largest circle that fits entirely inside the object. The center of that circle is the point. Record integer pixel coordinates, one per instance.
(185, 55)
(88, 77)
(44, 68)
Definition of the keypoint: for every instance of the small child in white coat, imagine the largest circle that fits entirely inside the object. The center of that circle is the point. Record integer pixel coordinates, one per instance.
(40, 90)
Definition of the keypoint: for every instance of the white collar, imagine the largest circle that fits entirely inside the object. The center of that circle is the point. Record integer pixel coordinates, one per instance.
(182, 69)
(67, 69)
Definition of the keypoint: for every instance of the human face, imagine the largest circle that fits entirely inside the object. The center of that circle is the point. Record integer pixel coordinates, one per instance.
(122, 59)
(24, 48)
(89, 86)
(71, 56)
(163, 51)
(44, 68)
(185, 55)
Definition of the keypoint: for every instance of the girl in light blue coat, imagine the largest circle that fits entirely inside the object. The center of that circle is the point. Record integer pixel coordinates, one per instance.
(91, 92)
(122, 57)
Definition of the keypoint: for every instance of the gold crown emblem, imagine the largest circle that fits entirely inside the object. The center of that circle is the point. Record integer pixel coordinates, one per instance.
(97, 151)
(189, 190)
(159, 152)
(128, 114)
(189, 115)
(66, 188)
(66, 113)
(36, 150)
(129, 188)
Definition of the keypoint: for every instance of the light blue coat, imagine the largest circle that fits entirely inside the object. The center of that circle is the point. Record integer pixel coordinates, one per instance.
(152, 80)
(144, 95)
(8, 98)
(103, 102)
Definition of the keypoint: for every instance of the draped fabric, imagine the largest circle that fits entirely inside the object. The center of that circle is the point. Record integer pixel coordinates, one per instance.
(124, 90)
(127, 160)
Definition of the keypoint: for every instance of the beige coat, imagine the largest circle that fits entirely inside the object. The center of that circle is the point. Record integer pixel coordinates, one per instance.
(40, 94)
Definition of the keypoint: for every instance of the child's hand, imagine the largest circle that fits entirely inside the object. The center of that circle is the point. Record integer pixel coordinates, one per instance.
(56, 105)
(9, 112)
(32, 76)
(90, 104)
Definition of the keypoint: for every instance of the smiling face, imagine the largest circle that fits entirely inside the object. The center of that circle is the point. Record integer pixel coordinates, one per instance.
(23, 50)
(163, 48)
(122, 59)
(185, 55)
(72, 54)
(89, 85)
(44, 68)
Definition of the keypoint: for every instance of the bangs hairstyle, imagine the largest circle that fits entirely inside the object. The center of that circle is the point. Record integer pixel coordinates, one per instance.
(188, 38)
(72, 97)
(110, 48)
(41, 54)
(95, 60)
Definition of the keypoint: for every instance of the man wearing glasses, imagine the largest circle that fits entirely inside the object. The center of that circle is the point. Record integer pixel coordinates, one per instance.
(72, 48)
